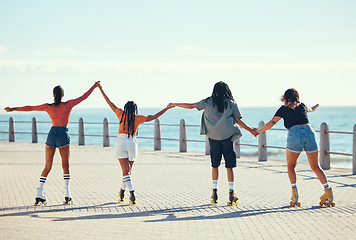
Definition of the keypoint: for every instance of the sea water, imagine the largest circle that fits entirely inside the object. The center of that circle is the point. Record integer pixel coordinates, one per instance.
(339, 119)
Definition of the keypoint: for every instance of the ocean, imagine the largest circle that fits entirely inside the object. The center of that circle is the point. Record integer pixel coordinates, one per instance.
(339, 119)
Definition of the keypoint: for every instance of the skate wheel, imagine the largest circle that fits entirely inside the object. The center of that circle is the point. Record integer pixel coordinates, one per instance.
(292, 204)
(333, 204)
(321, 204)
(121, 201)
(299, 204)
(327, 204)
(229, 203)
(133, 203)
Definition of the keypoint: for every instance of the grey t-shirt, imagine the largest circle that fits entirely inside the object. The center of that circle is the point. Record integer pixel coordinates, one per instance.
(219, 126)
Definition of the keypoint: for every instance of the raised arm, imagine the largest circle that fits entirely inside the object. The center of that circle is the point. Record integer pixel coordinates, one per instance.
(78, 100)
(160, 113)
(184, 105)
(111, 105)
(269, 125)
(312, 109)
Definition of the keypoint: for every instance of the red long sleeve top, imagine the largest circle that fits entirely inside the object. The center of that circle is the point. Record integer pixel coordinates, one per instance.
(59, 114)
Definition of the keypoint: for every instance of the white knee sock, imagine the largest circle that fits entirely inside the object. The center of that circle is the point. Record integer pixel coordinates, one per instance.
(231, 186)
(66, 178)
(127, 180)
(215, 184)
(123, 186)
(326, 185)
(294, 185)
(40, 187)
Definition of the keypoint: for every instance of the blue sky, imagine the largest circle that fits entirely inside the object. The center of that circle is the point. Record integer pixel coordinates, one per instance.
(155, 52)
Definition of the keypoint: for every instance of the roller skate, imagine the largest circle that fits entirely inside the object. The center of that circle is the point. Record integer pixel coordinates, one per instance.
(121, 196)
(68, 199)
(294, 198)
(40, 199)
(327, 198)
(214, 197)
(233, 199)
(132, 201)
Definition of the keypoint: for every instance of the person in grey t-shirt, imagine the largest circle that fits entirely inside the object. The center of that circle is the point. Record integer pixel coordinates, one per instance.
(220, 123)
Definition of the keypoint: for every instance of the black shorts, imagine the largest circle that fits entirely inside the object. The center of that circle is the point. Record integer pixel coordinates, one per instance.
(222, 147)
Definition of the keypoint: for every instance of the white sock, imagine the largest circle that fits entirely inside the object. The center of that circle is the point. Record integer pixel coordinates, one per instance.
(294, 185)
(231, 186)
(127, 180)
(215, 184)
(40, 187)
(123, 187)
(66, 178)
(326, 185)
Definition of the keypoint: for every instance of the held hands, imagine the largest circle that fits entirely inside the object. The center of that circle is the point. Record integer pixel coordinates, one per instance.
(170, 105)
(254, 132)
(97, 84)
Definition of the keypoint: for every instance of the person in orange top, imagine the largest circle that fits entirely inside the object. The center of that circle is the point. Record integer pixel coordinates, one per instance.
(126, 145)
(57, 137)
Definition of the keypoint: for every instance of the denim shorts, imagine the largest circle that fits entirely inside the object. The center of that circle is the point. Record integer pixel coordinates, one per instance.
(302, 137)
(219, 148)
(58, 137)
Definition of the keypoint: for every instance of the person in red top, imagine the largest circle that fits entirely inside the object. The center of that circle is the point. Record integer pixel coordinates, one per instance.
(57, 137)
(126, 145)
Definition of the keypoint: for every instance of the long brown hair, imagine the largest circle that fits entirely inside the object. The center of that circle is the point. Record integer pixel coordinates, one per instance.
(130, 109)
(58, 93)
(221, 93)
(291, 98)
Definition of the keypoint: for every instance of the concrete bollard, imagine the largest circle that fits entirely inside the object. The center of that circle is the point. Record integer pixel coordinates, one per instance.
(106, 133)
(157, 135)
(207, 146)
(262, 143)
(237, 148)
(11, 130)
(81, 138)
(324, 158)
(34, 130)
(182, 136)
(354, 152)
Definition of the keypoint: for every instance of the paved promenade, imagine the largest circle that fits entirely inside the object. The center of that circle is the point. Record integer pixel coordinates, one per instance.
(173, 192)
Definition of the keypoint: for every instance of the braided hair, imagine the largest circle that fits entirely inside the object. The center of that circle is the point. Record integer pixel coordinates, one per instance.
(221, 93)
(291, 98)
(130, 110)
(57, 92)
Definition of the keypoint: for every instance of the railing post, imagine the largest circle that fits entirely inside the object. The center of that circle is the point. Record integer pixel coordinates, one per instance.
(157, 135)
(207, 146)
(354, 152)
(182, 136)
(237, 148)
(81, 139)
(34, 130)
(262, 143)
(324, 158)
(11, 130)
(106, 133)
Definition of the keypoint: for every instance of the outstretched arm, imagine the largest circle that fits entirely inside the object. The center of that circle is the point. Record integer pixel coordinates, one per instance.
(42, 107)
(269, 125)
(111, 104)
(184, 105)
(78, 100)
(245, 126)
(312, 109)
(160, 113)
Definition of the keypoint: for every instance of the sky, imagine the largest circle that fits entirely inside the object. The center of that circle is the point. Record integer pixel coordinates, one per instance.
(156, 52)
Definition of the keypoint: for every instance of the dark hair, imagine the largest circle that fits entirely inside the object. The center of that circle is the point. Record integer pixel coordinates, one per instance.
(221, 93)
(130, 109)
(291, 98)
(58, 92)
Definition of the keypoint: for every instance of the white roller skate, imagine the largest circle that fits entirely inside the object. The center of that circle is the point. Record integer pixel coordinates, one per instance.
(68, 199)
(294, 199)
(327, 198)
(40, 199)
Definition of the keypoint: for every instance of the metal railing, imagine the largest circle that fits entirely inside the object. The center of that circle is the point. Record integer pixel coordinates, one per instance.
(324, 157)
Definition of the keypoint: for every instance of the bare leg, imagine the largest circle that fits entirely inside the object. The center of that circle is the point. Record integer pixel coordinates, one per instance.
(49, 152)
(230, 174)
(314, 165)
(292, 158)
(215, 173)
(126, 166)
(65, 152)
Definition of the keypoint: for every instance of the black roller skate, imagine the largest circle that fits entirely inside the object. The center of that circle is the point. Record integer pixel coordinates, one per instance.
(121, 196)
(233, 199)
(132, 199)
(214, 197)
(40, 200)
(68, 199)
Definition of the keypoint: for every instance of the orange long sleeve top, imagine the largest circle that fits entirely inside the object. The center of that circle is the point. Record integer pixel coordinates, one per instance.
(59, 114)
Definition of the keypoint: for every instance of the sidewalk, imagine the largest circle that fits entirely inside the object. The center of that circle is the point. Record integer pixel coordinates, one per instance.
(173, 193)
